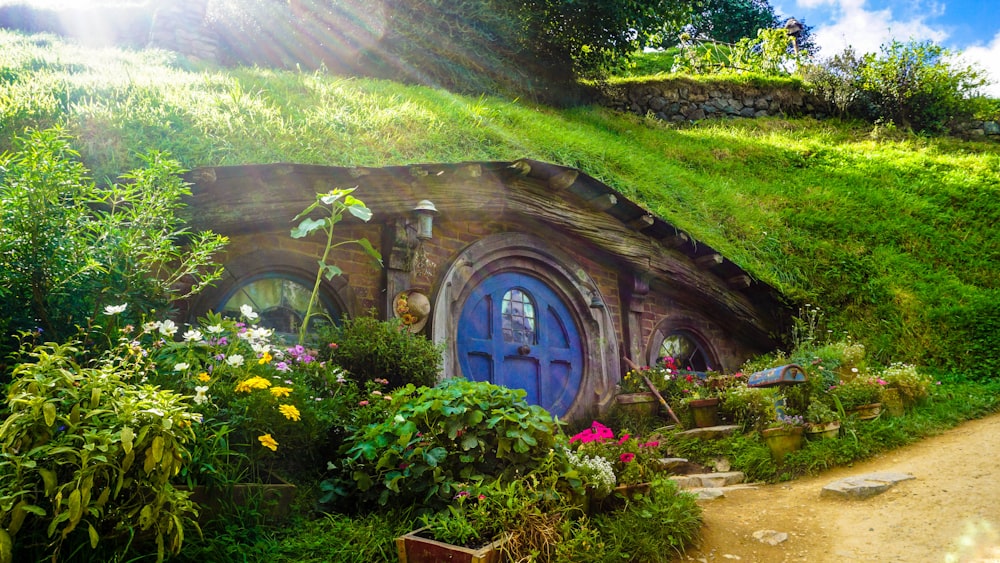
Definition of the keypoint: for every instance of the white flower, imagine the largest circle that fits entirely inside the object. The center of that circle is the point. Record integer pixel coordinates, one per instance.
(181, 366)
(260, 347)
(151, 326)
(214, 329)
(168, 328)
(247, 311)
(259, 333)
(193, 335)
(235, 360)
(115, 309)
(200, 397)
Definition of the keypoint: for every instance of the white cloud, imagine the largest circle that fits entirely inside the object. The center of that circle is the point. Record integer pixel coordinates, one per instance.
(852, 24)
(987, 58)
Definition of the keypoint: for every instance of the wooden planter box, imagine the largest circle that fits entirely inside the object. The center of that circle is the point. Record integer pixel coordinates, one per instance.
(414, 548)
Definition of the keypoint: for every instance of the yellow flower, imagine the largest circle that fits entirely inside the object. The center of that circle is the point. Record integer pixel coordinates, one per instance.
(290, 412)
(281, 391)
(255, 382)
(204, 377)
(266, 358)
(268, 442)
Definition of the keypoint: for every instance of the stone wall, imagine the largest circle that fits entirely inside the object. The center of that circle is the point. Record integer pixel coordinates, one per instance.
(686, 100)
(181, 27)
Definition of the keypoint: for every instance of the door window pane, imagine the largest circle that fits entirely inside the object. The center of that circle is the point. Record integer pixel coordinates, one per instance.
(518, 314)
(281, 303)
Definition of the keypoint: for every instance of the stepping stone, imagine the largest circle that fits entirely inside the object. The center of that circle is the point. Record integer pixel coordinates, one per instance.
(710, 432)
(712, 493)
(865, 486)
(708, 480)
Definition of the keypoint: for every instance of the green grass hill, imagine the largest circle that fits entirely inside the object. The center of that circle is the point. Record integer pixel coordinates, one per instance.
(896, 237)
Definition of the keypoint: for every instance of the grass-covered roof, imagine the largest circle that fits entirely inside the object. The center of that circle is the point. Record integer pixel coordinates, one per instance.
(894, 236)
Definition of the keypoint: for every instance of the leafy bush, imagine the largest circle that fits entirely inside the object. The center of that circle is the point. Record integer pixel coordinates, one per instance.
(913, 85)
(750, 407)
(912, 385)
(69, 248)
(653, 528)
(439, 438)
(88, 454)
(371, 349)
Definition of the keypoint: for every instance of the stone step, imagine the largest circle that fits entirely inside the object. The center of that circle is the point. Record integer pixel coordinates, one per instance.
(710, 493)
(709, 480)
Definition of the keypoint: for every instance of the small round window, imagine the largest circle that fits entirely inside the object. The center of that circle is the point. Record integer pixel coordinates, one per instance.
(281, 302)
(686, 351)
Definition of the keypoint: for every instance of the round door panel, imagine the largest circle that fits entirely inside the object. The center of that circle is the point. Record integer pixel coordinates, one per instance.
(516, 332)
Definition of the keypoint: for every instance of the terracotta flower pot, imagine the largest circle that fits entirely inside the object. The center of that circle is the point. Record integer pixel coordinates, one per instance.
(638, 404)
(704, 411)
(867, 412)
(823, 431)
(782, 441)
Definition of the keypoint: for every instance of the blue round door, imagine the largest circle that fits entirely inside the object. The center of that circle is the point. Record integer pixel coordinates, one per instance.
(516, 332)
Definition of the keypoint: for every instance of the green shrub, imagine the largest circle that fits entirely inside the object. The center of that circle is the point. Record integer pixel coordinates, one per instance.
(68, 248)
(913, 386)
(653, 528)
(914, 85)
(88, 454)
(750, 407)
(371, 349)
(441, 437)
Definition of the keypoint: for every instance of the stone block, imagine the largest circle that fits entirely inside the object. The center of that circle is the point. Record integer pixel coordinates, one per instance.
(865, 486)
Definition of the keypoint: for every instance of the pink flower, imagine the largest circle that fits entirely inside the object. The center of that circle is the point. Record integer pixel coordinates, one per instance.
(649, 445)
(596, 433)
(482, 497)
(362, 403)
(627, 457)
(623, 439)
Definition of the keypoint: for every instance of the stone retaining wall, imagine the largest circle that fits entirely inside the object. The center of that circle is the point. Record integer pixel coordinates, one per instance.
(686, 100)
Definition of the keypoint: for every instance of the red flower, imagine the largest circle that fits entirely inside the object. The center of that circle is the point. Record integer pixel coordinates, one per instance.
(649, 445)
(689, 378)
(627, 457)
(623, 439)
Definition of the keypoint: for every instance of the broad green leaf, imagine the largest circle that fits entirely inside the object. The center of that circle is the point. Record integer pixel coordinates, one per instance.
(330, 271)
(435, 456)
(94, 538)
(49, 479)
(49, 412)
(360, 212)
(95, 397)
(75, 506)
(6, 547)
(157, 448)
(469, 441)
(127, 435)
(308, 226)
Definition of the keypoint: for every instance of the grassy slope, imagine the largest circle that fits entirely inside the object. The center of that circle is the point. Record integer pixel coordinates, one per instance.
(892, 235)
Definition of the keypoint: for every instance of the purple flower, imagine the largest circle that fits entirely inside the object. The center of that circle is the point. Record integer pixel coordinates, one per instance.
(282, 366)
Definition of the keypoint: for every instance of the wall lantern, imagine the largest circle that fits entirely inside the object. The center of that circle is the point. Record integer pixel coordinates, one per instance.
(425, 212)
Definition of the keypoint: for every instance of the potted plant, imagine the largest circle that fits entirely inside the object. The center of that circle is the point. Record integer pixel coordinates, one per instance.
(633, 461)
(911, 385)
(861, 396)
(783, 435)
(634, 396)
(820, 420)
(469, 530)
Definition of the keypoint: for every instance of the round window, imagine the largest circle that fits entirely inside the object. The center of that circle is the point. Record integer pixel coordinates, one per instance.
(686, 351)
(281, 302)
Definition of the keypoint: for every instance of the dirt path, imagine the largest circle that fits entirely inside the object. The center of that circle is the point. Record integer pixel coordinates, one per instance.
(949, 513)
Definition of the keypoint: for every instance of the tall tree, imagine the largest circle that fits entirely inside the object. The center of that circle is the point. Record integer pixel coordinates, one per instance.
(729, 21)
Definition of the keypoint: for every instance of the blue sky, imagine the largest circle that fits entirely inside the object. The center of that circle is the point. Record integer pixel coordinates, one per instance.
(971, 27)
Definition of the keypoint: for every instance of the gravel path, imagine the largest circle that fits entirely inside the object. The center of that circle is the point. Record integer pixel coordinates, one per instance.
(949, 513)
